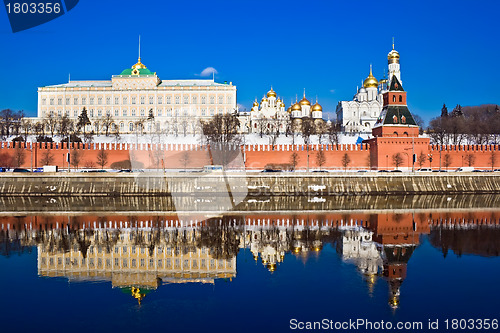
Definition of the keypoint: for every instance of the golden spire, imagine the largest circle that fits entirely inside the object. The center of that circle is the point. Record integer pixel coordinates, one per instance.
(393, 43)
(370, 81)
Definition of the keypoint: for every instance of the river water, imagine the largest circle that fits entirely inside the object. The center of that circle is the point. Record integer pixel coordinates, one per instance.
(265, 267)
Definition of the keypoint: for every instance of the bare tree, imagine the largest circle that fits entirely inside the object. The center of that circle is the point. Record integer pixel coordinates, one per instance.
(262, 125)
(397, 160)
(184, 125)
(185, 159)
(333, 133)
(294, 159)
(493, 159)
(307, 130)
(447, 160)
(51, 122)
(76, 156)
(106, 123)
(321, 130)
(19, 156)
(320, 158)
(102, 158)
(27, 128)
(470, 159)
(65, 125)
(421, 159)
(222, 134)
(47, 157)
(346, 160)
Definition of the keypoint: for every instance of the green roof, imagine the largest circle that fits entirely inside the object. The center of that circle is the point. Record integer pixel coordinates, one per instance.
(142, 71)
(395, 84)
(396, 115)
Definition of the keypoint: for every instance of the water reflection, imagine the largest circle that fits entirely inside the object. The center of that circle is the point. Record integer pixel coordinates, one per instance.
(138, 254)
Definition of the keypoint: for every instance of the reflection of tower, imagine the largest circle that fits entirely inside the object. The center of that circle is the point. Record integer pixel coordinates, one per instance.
(395, 264)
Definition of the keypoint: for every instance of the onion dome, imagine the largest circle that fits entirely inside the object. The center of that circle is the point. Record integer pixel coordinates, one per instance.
(139, 65)
(304, 101)
(271, 93)
(264, 99)
(393, 56)
(255, 103)
(317, 107)
(282, 104)
(370, 81)
(289, 110)
(296, 107)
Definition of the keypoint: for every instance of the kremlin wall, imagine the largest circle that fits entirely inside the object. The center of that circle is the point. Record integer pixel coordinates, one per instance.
(257, 157)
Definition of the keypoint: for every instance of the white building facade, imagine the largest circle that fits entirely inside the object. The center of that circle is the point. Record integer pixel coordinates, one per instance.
(131, 97)
(360, 114)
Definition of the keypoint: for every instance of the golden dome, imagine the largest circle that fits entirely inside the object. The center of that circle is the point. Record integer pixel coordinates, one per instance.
(316, 107)
(255, 103)
(139, 65)
(304, 101)
(282, 104)
(393, 56)
(370, 81)
(296, 107)
(264, 99)
(289, 110)
(271, 93)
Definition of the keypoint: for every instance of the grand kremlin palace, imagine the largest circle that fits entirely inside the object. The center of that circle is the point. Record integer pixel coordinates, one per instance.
(132, 96)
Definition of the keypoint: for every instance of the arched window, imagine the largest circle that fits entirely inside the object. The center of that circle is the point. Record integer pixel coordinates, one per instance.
(131, 127)
(394, 98)
(400, 98)
(122, 126)
(395, 133)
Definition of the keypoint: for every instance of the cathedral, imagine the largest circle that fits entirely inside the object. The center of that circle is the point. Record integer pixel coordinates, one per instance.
(272, 116)
(360, 114)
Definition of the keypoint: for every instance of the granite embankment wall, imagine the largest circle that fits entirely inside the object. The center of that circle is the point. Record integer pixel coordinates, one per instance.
(209, 185)
(176, 156)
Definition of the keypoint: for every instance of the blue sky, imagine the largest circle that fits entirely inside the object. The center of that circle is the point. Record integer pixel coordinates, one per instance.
(449, 49)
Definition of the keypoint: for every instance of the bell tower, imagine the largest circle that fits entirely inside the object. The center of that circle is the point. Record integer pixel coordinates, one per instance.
(393, 62)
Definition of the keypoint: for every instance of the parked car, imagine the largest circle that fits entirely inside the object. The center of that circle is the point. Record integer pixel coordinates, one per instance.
(396, 170)
(383, 171)
(424, 170)
(439, 171)
(125, 170)
(496, 170)
(320, 171)
(20, 170)
(271, 170)
(362, 170)
(477, 170)
(465, 169)
(38, 170)
(3, 169)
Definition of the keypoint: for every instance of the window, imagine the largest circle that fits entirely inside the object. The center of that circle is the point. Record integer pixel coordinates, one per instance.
(67, 100)
(212, 99)
(151, 100)
(124, 112)
(186, 99)
(142, 113)
(168, 100)
(159, 112)
(203, 100)
(133, 100)
(122, 126)
(134, 263)
(91, 100)
(160, 100)
(133, 113)
(177, 99)
(177, 112)
(59, 101)
(394, 98)
(117, 113)
(142, 262)
(84, 100)
(131, 128)
(221, 99)
(75, 113)
(108, 100)
(195, 99)
(400, 98)
(51, 101)
(212, 112)
(142, 100)
(125, 100)
(44, 101)
(117, 100)
(229, 100)
(99, 100)
(91, 113)
(108, 113)
(99, 113)
(75, 101)
(169, 112)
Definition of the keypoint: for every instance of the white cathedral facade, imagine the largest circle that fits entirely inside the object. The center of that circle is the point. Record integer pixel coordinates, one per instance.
(360, 114)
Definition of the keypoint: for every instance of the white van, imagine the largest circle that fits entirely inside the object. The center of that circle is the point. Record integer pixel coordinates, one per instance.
(465, 169)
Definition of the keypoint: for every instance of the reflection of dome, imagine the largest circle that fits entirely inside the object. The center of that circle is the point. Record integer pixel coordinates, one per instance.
(370, 81)
(296, 107)
(271, 267)
(271, 93)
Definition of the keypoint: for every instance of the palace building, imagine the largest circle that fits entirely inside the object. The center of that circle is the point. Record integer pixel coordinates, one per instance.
(137, 99)
(360, 114)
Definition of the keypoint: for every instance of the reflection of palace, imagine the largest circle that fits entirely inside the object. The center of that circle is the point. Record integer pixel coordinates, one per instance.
(138, 254)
